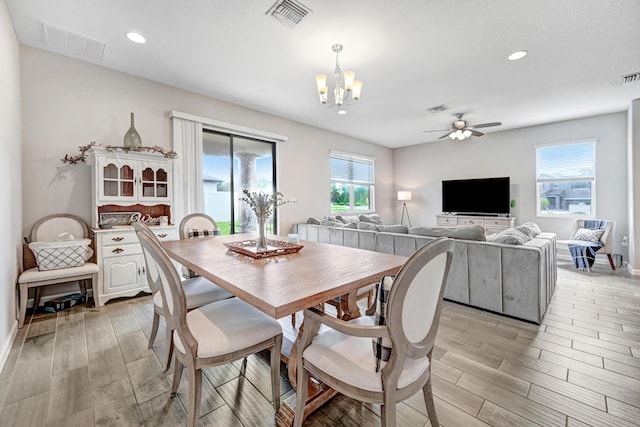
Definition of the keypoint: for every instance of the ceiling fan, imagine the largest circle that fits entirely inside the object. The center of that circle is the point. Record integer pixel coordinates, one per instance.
(461, 129)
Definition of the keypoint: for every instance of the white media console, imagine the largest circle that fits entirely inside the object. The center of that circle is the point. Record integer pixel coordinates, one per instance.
(492, 224)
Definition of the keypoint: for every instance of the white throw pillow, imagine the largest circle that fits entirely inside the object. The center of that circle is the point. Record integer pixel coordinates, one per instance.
(589, 235)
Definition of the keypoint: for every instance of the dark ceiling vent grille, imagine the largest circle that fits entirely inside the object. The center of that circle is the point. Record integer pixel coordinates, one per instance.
(629, 78)
(437, 109)
(289, 12)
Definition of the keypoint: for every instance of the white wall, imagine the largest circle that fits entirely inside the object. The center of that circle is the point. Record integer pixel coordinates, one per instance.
(68, 103)
(422, 168)
(10, 179)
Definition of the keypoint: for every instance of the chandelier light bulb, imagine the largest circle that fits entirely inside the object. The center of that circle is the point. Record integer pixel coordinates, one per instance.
(346, 89)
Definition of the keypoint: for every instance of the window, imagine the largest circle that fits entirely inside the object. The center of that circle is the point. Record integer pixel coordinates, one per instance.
(566, 178)
(352, 183)
(231, 163)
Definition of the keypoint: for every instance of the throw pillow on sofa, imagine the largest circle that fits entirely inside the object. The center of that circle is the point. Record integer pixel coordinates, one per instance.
(314, 221)
(372, 218)
(329, 223)
(511, 236)
(470, 232)
(347, 219)
(393, 228)
(589, 235)
(367, 226)
(535, 229)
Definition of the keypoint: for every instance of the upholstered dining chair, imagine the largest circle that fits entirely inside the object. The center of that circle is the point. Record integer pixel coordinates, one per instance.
(196, 225)
(343, 356)
(198, 291)
(51, 228)
(211, 335)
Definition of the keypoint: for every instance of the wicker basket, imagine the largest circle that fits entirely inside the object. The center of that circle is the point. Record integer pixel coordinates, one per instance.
(56, 255)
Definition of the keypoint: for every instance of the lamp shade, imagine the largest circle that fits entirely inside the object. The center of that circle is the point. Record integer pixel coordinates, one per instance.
(404, 195)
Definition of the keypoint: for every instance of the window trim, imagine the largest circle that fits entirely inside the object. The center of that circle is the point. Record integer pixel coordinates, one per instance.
(592, 214)
(353, 157)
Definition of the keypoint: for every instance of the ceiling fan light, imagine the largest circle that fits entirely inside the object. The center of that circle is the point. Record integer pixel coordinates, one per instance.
(466, 133)
(452, 135)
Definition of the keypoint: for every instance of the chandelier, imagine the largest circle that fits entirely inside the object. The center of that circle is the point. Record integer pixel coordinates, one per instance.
(347, 88)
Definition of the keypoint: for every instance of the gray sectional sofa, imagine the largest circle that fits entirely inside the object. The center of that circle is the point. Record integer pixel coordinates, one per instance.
(515, 280)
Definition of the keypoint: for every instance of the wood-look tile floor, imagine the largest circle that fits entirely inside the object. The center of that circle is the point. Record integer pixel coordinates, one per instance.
(581, 367)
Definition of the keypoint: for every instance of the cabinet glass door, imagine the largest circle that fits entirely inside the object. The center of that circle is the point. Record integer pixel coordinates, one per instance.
(117, 181)
(155, 182)
(126, 181)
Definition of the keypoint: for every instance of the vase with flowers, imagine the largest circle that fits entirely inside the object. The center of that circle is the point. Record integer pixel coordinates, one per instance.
(263, 205)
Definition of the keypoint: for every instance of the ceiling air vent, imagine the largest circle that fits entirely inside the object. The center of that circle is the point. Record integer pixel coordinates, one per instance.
(289, 12)
(72, 43)
(437, 109)
(629, 78)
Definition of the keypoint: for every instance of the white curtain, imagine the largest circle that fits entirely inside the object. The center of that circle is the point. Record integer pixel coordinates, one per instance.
(187, 168)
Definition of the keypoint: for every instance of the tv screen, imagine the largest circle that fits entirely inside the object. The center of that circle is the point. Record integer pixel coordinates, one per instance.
(486, 196)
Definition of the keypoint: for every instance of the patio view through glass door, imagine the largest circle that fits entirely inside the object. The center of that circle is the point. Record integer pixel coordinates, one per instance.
(231, 164)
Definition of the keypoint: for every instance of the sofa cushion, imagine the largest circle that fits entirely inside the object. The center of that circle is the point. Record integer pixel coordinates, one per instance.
(511, 236)
(346, 219)
(367, 226)
(393, 228)
(470, 232)
(372, 218)
(329, 223)
(588, 235)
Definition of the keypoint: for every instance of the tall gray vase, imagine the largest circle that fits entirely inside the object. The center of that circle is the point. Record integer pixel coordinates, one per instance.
(132, 137)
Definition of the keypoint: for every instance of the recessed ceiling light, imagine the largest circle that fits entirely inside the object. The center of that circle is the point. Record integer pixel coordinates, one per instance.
(135, 37)
(342, 112)
(518, 54)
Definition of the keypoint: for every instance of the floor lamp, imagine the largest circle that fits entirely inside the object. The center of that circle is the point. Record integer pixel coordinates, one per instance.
(403, 196)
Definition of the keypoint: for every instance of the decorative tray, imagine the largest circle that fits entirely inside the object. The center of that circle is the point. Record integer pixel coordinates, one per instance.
(274, 247)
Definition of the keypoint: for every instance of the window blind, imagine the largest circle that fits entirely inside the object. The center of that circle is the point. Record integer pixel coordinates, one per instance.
(566, 162)
(347, 168)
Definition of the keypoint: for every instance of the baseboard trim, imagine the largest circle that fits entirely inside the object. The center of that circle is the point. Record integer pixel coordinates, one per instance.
(8, 344)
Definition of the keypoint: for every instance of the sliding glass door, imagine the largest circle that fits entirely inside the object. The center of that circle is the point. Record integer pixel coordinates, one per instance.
(231, 164)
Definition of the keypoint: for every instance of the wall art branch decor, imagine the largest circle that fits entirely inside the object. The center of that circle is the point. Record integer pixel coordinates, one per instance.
(82, 152)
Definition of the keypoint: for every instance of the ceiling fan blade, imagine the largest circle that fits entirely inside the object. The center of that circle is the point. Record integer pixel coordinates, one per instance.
(475, 132)
(486, 125)
(436, 130)
(446, 134)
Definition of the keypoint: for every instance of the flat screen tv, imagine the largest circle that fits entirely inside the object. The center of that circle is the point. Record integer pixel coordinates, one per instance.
(485, 196)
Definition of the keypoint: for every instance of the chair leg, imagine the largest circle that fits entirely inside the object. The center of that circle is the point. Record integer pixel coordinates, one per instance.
(177, 375)
(613, 266)
(302, 389)
(170, 349)
(431, 407)
(94, 291)
(24, 294)
(293, 320)
(388, 413)
(36, 299)
(195, 391)
(154, 328)
(276, 350)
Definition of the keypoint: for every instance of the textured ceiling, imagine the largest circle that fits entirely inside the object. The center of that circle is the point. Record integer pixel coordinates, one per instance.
(410, 54)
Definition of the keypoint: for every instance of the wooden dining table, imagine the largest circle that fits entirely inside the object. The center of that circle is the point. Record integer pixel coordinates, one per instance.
(282, 285)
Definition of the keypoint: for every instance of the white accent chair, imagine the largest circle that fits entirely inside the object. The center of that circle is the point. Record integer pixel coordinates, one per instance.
(50, 228)
(212, 335)
(606, 238)
(198, 291)
(342, 357)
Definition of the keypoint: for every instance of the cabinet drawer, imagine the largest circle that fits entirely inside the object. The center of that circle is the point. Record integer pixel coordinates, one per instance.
(469, 221)
(118, 238)
(166, 234)
(496, 222)
(121, 250)
(447, 220)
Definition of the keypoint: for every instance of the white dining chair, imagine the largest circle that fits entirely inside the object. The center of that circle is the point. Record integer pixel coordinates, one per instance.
(211, 335)
(343, 356)
(198, 291)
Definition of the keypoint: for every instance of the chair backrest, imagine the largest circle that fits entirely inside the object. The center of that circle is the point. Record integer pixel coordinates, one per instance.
(415, 302)
(152, 272)
(606, 238)
(166, 279)
(55, 227)
(196, 221)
